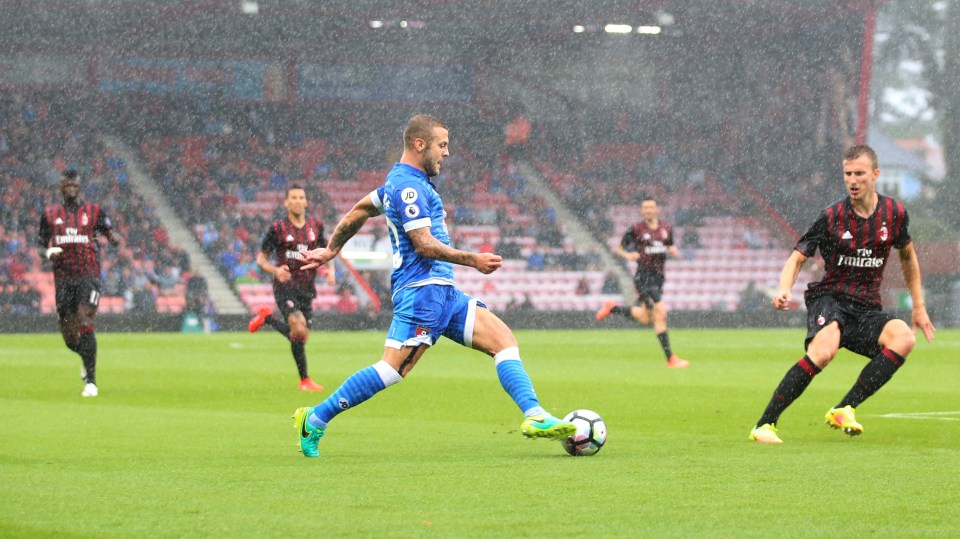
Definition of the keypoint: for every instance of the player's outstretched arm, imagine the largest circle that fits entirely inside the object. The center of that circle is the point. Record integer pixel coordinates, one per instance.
(910, 266)
(633, 256)
(429, 247)
(781, 301)
(345, 229)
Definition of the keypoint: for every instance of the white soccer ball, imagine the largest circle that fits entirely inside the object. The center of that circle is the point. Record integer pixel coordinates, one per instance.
(590, 436)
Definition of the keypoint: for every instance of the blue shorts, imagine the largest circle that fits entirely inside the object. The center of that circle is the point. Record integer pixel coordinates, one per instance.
(422, 314)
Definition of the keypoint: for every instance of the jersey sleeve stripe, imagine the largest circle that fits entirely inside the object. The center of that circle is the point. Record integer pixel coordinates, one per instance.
(416, 223)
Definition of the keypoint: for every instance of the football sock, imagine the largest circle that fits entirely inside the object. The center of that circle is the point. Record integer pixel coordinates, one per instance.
(621, 310)
(278, 325)
(665, 343)
(359, 387)
(794, 382)
(515, 381)
(87, 348)
(876, 373)
(298, 347)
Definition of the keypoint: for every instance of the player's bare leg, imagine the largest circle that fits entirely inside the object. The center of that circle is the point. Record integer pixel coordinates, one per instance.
(897, 341)
(820, 352)
(641, 314)
(493, 337)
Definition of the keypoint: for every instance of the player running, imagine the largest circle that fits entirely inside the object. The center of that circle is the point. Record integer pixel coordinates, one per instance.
(293, 286)
(68, 234)
(427, 304)
(854, 237)
(648, 243)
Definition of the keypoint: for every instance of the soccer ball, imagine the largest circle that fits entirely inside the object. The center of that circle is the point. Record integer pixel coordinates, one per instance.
(590, 436)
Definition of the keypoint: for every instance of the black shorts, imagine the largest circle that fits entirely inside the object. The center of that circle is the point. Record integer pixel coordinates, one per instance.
(860, 325)
(649, 287)
(76, 291)
(290, 300)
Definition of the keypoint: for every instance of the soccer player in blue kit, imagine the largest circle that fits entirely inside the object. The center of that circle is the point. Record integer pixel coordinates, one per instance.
(427, 304)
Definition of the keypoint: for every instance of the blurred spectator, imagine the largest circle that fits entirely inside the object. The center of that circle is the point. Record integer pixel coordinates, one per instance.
(583, 286)
(197, 294)
(536, 260)
(346, 302)
(753, 299)
(611, 285)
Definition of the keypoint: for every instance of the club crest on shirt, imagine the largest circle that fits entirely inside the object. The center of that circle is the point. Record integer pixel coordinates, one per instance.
(311, 236)
(821, 320)
(422, 332)
(884, 233)
(646, 236)
(288, 238)
(84, 220)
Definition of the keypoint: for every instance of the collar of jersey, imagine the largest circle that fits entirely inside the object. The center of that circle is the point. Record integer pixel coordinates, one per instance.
(417, 172)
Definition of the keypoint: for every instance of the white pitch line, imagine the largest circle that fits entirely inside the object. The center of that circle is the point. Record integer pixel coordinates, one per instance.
(939, 416)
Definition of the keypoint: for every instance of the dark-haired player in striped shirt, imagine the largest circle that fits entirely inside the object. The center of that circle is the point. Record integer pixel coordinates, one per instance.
(648, 243)
(68, 234)
(854, 237)
(293, 288)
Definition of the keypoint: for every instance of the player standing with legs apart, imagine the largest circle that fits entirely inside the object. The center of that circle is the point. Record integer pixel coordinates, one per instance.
(68, 234)
(854, 237)
(648, 243)
(293, 287)
(427, 304)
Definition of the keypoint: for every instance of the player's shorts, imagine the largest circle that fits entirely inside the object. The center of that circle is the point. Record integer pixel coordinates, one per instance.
(290, 300)
(649, 287)
(75, 291)
(860, 326)
(422, 314)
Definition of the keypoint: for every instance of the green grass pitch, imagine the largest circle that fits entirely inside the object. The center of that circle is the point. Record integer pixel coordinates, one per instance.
(191, 436)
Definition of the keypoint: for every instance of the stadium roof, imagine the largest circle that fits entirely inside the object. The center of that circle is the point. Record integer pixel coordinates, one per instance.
(302, 27)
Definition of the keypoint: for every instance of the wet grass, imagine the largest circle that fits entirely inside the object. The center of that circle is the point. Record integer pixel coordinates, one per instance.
(192, 436)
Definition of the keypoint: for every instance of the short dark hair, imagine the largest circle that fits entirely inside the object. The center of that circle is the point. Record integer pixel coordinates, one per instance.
(70, 174)
(647, 196)
(292, 186)
(420, 126)
(860, 150)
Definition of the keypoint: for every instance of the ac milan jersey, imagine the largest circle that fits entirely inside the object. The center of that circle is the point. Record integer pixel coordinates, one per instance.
(288, 242)
(855, 249)
(651, 243)
(74, 229)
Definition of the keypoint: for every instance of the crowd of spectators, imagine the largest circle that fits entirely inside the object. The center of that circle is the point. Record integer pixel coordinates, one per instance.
(42, 134)
(221, 156)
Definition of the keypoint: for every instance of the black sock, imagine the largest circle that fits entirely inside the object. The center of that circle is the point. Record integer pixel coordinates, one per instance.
(876, 373)
(300, 356)
(279, 325)
(794, 382)
(621, 310)
(665, 343)
(87, 348)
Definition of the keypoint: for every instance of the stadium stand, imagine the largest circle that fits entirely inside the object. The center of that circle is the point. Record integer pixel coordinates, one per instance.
(43, 134)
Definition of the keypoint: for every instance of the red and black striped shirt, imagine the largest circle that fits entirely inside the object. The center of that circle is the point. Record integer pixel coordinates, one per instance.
(74, 228)
(651, 243)
(855, 249)
(287, 242)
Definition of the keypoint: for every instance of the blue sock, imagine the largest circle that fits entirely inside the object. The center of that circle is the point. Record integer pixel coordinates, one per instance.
(516, 382)
(359, 387)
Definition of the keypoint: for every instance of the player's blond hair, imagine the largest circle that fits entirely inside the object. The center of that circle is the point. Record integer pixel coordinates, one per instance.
(420, 127)
(860, 150)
